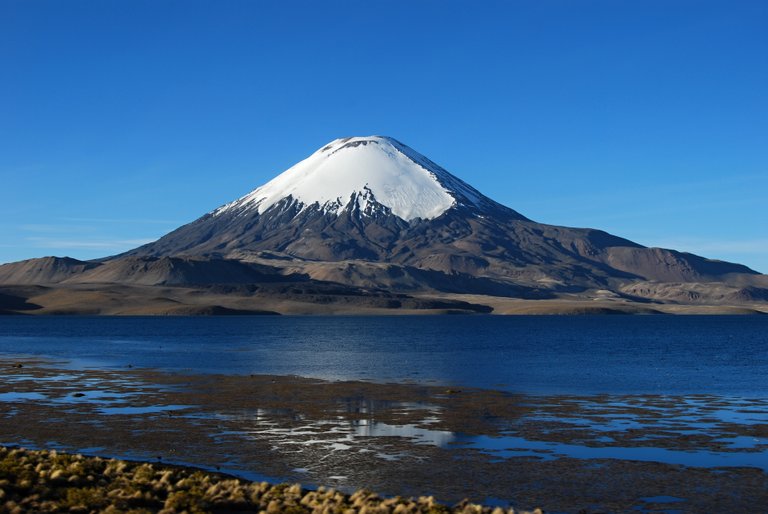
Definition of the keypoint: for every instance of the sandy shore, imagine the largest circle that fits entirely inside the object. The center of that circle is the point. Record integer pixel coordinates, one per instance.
(565, 454)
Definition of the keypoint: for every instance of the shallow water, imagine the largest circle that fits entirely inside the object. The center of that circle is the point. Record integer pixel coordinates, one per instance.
(347, 436)
(619, 393)
(531, 354)
(636, 428)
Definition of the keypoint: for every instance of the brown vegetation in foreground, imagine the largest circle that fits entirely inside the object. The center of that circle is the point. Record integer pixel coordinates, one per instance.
(49, 481)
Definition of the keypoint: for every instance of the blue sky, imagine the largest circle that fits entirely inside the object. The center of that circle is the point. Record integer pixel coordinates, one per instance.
(123, 119)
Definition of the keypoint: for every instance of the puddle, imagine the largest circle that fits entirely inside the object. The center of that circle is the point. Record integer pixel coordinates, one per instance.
(389, 456)
(92, 450)
(662, 499)
(745, 417)
(744, 442)
(493, 501)
(517, 446)
(598, 425)
(151, 409)
(21, 397)
(97, 396)
(23, 377)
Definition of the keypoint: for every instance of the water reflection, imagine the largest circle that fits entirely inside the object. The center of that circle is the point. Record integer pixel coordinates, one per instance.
(370, 435)
(416, 434)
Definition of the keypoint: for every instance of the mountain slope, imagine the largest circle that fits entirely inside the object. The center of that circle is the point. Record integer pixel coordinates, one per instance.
(375, 199)
(44, 270)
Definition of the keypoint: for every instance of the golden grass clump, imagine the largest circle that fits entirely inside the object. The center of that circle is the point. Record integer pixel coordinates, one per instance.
(50, 481)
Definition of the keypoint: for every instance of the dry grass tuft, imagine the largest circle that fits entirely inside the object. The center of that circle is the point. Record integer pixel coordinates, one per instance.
(49, 481)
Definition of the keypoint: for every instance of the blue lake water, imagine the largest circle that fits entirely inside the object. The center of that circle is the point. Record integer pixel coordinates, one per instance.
(724, 355)
(686, 392)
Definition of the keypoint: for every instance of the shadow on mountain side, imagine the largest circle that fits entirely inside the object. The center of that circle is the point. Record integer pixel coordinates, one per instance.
(331, 293)
(462, 283)
(11, 302)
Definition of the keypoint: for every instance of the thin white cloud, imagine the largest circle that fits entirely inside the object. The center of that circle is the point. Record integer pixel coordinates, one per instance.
(58, 229)
(124, 220)
(78, 244)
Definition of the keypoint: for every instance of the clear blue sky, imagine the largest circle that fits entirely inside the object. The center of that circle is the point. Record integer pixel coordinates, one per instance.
(123, 119)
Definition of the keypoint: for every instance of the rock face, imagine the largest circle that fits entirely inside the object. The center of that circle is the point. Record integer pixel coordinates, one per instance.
(372, 213)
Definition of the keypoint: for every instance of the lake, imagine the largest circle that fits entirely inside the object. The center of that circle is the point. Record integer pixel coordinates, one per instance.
(531, 354)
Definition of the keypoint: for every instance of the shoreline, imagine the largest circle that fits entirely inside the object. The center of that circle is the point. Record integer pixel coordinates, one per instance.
(50, 481)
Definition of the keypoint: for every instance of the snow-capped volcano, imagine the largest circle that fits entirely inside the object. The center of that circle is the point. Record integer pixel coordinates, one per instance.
(371, 210)
(365, 171)
(354, 198)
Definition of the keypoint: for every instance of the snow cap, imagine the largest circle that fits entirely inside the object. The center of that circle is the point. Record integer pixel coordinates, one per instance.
(369, 168)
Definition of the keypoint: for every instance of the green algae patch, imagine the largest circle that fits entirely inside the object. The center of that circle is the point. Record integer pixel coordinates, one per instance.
(50, 481)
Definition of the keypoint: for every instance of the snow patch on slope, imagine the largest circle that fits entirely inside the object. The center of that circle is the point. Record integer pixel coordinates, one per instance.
(363, 169)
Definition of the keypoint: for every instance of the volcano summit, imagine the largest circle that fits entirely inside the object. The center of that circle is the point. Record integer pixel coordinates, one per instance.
(359, 198)
(362, 170)
(367, 223)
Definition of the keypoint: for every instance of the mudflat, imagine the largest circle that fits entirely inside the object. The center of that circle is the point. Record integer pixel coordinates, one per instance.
(596, 453)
